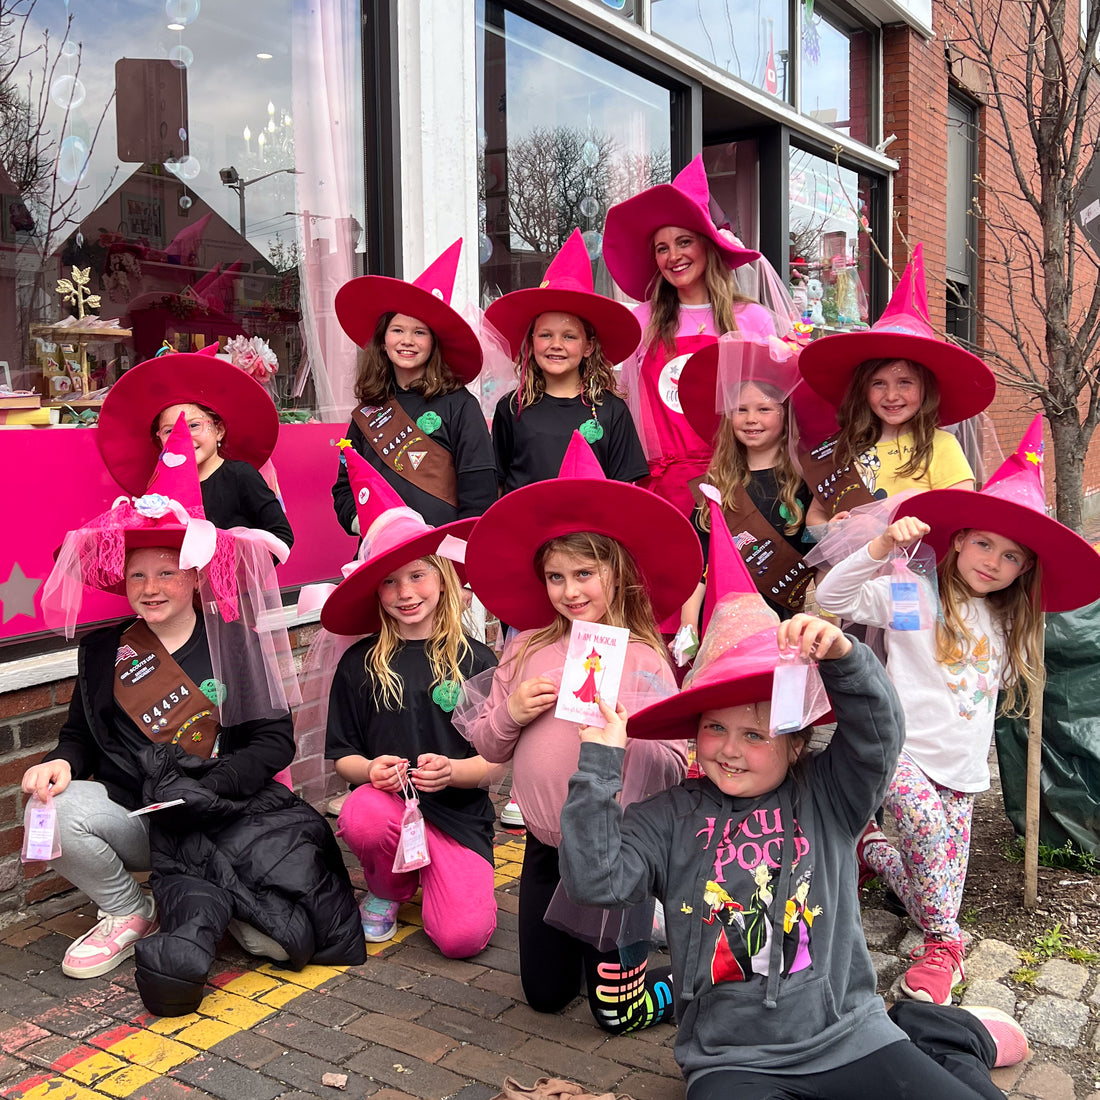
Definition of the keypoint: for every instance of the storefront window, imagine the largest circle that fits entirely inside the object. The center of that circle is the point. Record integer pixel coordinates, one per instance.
(195, 172)
(829, 254)
(835, 83)
(743, 37)
(564, 135)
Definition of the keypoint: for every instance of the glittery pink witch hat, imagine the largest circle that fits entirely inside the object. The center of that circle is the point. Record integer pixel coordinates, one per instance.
(1013, 505)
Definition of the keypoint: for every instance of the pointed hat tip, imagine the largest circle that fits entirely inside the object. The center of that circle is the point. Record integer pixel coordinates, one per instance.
(580, 460)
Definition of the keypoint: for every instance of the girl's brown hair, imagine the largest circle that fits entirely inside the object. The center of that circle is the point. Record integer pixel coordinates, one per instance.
(597, 374)
(374, 382)
(628, 607)
(664, 302)
(1017, 608)
(860, 428)
(729, 467)
(446, 649)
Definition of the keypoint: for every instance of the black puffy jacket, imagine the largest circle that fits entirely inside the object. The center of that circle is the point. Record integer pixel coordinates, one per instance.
(269, 860)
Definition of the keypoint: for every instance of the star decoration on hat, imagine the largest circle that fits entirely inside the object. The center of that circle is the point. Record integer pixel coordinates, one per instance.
(342, 443)
(1031, 456)
(17, 593)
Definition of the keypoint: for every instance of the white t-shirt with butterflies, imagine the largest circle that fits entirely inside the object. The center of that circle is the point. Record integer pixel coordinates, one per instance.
(949, 709)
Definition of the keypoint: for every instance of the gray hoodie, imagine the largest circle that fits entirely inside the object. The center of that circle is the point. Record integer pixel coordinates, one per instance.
(770, 966)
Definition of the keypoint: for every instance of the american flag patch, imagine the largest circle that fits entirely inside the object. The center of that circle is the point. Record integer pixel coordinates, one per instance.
(124, 653)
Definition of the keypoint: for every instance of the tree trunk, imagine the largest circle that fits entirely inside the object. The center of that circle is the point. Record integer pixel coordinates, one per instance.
(1069, 462)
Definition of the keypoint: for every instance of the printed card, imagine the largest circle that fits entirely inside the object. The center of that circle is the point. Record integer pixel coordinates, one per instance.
(593, 669)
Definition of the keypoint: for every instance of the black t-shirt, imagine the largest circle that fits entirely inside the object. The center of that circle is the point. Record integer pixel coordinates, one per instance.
(763, 490)
(530, 447)
(462, 432)
(356, 727)
(236, 495)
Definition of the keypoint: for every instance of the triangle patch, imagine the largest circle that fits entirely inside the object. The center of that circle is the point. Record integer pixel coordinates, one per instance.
(416, 457)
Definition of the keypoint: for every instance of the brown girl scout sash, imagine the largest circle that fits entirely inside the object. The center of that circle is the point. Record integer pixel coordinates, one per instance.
(163, 701)
(837, 488)
(408, 449)
(775, 566)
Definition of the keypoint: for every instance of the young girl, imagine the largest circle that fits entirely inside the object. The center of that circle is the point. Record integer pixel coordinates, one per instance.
(234, 426)
(664, 250)
(892, 386)
(415, 421)
(775, 991)
(992, 588)
(389, 724)
(762, 492)
(582, 548)
(565, 339)
(189, 700)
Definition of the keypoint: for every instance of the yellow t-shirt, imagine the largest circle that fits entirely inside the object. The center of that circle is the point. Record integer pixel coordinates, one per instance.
(878, 465)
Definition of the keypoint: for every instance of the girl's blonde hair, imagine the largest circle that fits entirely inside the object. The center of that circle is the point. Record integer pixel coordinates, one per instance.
(447, 647)
(860, 428)
(729, 466)
(374, 382)
(597, 374)
(628, 607)
(664, 302)
(1019, 610)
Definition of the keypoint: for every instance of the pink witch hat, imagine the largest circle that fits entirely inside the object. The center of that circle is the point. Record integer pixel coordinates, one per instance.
(362, 302)
(393, 536)
(501, 554)
(739, 654)
(567, 288)
(1013, 505)
(169, 514)
(904, 331)
(685, 203)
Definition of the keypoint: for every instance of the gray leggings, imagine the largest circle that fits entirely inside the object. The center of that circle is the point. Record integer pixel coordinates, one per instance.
(100, 847)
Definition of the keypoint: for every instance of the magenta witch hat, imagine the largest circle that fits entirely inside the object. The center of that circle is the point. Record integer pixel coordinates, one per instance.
(567, 288)
(393, 536)
(1012, 504)
(124, 433)
(966, 384)
(501, 554)
(685, 203)
(361, 302)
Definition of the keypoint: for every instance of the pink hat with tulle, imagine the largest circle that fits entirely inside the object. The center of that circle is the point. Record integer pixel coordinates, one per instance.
(361, 302)
(1012, 504)
(684, 203)
(739, 654)
(966, 384)
(567, 288)
(393, 536)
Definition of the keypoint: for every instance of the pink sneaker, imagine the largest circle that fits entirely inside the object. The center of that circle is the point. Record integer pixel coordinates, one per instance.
(937, 969)
(871, 834)
(108, 944)
(1011, 1041)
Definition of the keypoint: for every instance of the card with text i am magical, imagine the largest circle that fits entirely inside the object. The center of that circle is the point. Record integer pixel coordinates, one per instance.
(592, 671)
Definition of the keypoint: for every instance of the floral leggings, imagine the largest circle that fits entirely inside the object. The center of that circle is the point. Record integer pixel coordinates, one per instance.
(934, 830)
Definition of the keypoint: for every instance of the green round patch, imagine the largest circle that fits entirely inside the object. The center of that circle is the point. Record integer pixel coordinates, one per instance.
(214, 690)
(447, 695)
(428, 422)
(592, 430)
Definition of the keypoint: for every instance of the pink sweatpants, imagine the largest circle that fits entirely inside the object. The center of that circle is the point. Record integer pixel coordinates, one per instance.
(460, 910)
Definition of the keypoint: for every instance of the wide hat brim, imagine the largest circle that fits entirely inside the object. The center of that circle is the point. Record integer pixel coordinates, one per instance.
(698, 388)
(361, 302)
(123, 434)
(352, 608)
(628, 236)
(501, 552)
(1071, 567)
(615, 325)
(967, 386)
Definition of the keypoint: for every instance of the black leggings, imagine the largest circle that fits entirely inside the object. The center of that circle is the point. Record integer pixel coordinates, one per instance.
(948, 1058)
(552, 962)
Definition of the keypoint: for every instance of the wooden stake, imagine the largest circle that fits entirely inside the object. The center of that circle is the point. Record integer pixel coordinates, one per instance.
(1034, 775)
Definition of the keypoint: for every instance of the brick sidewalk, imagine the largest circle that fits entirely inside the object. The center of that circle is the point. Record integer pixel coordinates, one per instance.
(407, 1024)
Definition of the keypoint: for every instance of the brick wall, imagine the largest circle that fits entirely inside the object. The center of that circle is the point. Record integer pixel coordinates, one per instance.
(917, 74)
(29, 722)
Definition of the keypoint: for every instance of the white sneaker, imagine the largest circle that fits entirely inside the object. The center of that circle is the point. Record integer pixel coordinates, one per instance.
(510, 816)
(107, 945)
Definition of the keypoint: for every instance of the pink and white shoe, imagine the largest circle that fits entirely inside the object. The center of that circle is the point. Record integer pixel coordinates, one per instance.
(937, 968)
(1007, 1035)
(107, 945)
